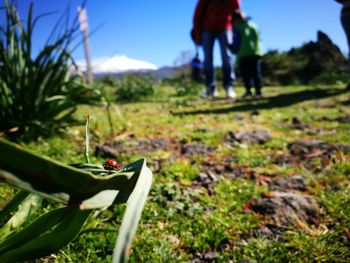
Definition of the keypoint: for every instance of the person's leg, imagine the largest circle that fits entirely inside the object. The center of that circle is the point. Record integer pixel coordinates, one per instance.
(227, 65)
(257, 74)
(345, 21)
(208, 40)
(245, 73)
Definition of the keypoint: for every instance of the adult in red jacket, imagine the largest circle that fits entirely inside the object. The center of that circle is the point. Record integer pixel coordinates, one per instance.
(213, 21)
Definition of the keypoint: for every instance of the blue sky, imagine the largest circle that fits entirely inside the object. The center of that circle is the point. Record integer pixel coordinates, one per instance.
(158, 30)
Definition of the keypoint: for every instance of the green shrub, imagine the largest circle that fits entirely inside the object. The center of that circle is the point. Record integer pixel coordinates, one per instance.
(186, 87)
(37, 93)
(108, 81)
(331, 78)
(134, 88)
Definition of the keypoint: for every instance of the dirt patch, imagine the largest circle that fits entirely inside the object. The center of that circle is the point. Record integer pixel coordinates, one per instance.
(196, 149)
(304, 149)
(211, 171)
(298, 125)
(145, 146)
(312, 154)
(343, 119)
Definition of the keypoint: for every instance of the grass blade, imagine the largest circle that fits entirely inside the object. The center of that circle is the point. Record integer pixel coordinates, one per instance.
(12, 205)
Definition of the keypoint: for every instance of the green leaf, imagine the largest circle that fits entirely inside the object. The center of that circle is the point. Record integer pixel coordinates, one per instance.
(132, 215)
(25, 210)
(50, 242)
(35, 229)
(63, 183)
(12, 205)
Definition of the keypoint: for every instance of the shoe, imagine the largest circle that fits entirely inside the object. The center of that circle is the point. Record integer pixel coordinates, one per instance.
(230, 93)
(207, 94)
(247, 94)
(258, 94)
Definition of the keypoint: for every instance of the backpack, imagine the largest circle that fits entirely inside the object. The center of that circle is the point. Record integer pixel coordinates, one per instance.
(196, 68)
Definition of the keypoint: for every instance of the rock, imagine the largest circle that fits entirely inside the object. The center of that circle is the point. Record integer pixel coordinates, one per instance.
(250, 137)
(206, 257)
(302, 148)
(296, 182)
(287, 209)
(269, 230)
(254, 136)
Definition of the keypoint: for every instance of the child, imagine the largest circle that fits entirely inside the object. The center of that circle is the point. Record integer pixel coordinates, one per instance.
(246, 45)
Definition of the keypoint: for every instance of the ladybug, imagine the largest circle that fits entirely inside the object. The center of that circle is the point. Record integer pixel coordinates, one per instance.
(111, 165)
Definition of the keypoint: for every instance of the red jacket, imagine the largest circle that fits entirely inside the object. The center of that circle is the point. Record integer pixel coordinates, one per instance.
(213, 16)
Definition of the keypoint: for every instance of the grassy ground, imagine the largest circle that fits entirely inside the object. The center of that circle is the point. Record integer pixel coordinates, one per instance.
(204, 183)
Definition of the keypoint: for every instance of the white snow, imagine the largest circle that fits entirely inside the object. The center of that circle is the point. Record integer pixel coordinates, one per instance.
(117, 64)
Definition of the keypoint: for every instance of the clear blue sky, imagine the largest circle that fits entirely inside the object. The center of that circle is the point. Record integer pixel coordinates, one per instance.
(158, 30)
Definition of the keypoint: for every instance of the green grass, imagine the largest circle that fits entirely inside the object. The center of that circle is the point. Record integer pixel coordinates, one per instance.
(182, 219)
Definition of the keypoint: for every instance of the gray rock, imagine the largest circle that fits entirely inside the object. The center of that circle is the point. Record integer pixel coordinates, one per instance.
(288, 209)
(250, 137)
(296, 182)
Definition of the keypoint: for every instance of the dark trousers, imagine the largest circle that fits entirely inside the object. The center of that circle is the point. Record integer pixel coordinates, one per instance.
(250, 69)
(345, 20)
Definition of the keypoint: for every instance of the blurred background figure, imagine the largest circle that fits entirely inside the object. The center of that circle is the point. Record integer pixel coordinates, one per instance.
(213, 21)
(345, 21)
(247, 46)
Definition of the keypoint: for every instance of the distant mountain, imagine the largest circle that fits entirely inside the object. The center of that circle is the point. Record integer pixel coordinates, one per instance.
(314, 62)
(165, 72)
(121, 65)
(116, 65)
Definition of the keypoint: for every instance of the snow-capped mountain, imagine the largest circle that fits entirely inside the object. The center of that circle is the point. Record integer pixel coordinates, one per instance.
(117, 64)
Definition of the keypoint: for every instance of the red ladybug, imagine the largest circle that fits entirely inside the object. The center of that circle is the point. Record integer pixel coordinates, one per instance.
(111, 165)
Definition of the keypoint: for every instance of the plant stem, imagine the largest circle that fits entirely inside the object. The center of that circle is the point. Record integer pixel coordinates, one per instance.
(87, 143)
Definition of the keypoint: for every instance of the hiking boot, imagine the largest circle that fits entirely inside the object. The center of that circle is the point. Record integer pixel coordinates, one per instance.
(230, 93)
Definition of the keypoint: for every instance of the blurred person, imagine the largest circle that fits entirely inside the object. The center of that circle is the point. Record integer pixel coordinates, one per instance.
(345, 21)
(247, 47)
(213, 21)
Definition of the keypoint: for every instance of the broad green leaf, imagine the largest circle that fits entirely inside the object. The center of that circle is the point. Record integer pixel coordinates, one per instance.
(63, 183)
(35, 229)
(49, 242)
